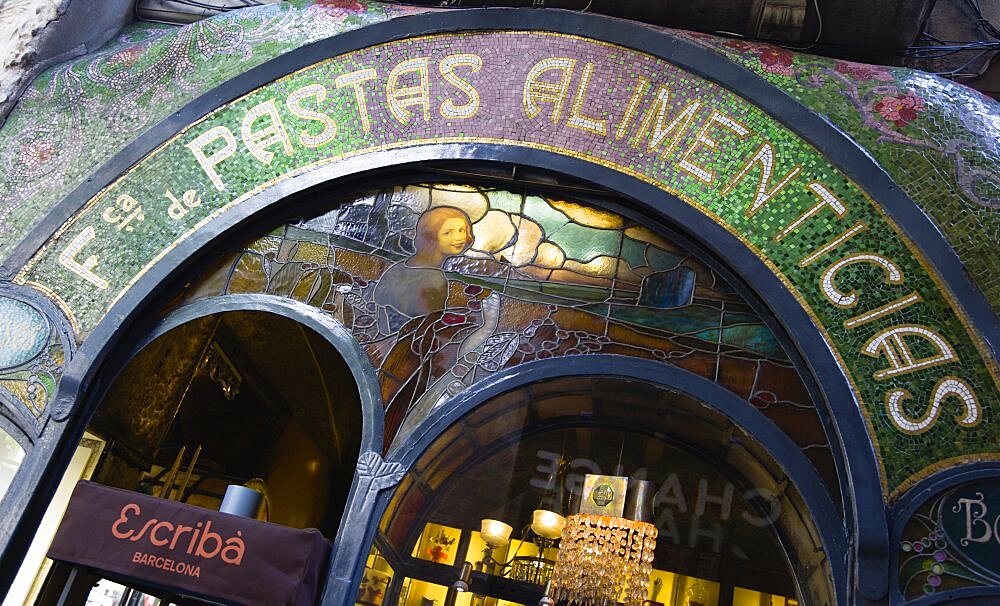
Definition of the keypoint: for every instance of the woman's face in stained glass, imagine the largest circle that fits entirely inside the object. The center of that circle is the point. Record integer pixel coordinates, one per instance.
(452, 236)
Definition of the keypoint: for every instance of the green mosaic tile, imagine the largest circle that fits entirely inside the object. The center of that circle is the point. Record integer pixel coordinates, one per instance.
(937, 139)
(77, 115)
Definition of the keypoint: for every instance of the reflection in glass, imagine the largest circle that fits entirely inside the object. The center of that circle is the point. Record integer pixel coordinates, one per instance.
(423, 593)
(748, 597)
(719, 517)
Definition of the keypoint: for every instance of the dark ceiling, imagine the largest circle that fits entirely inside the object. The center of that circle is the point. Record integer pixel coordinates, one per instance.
(954, 38)
(957, 39)
(165, 397)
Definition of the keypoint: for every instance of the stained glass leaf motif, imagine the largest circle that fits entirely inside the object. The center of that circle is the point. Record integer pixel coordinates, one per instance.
(588, 215)
(498, 350)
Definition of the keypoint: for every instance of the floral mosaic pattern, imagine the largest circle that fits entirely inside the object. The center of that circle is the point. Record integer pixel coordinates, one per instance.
(539, 278)
(937, 139)
(76, 116)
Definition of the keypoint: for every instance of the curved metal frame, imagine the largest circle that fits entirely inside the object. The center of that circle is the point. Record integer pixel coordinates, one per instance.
(328, 328)
(82, 370)
(868, 522)
(788, 456)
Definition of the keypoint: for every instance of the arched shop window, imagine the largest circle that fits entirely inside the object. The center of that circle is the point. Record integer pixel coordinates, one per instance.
(445, 286)
(245, 397)
(442, 288)
(237, 397)
(732, 530)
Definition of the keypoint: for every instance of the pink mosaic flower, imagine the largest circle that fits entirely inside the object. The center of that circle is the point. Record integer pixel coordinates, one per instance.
(777, 61)
(862, 71)
(900, 110)
(128, 56)
(740, 46)
(351, 6)
(37, 153)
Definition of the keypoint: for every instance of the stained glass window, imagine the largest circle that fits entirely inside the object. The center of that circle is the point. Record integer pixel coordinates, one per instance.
(444, 285)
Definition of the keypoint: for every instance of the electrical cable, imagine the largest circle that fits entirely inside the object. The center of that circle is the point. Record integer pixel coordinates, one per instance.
(819, 26)
(959, 69)
(893, 51)
(957, 74)
(946, 48)
(215, 7)
(982, 21)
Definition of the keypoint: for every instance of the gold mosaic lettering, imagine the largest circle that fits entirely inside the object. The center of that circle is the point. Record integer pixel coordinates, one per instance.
(947, 387)
(826, 200)
(764, 156)
(447, 67)
(400, 98)
(67, 258)
(537, 91)
(356, 81)
(884, 310)
(258, 141)
(294, 103)
(652, 123)
(208, 162)
(828, 286)
(576, 117)
(891, 343)
(123, 212)
(702, 138)
(833, 244)
(641, 85)
(180, 207)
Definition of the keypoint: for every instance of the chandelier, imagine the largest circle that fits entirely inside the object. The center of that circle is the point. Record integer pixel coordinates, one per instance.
(606, 550)
(546, 527)
(606, 546)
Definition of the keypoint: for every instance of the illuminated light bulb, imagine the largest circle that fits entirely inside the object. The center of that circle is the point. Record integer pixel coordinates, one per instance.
(495, 533)
(547, 524)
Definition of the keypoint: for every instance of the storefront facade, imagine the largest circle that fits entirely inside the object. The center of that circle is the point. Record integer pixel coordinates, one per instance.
(530, 239)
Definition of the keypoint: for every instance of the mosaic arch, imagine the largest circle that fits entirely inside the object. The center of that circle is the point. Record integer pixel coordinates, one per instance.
(922, 376)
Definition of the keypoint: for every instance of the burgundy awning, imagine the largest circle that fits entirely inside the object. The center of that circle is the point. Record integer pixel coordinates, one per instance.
(190, 550)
